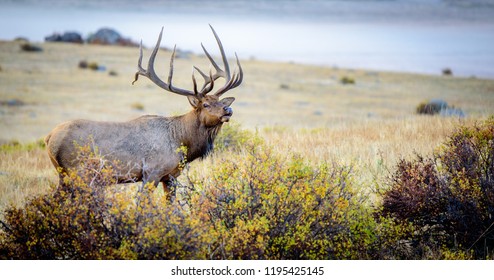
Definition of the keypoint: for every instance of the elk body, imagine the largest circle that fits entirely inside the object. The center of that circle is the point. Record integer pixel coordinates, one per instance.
(146, 148)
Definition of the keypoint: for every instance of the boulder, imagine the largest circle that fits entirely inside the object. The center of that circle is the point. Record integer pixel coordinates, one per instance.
(67, 37)
(108, 36)
(441, 107)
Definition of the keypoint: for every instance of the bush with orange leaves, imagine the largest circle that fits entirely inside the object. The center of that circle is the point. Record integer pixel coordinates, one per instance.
(450, 196)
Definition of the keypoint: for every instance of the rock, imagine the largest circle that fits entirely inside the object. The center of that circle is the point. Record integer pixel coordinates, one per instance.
(83, 64)
(72, 37)
(108, 36)
(347, 80)
(438, 103)
(441, 107)
(452, 112)
(447, 72)
(27, 47)
(12, 102)
(67, 37)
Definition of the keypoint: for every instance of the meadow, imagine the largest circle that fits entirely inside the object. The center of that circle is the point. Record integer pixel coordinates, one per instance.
(304, 116)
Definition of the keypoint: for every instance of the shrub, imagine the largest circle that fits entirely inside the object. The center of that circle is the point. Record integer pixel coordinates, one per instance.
(28, 47)
(232, 137)
(257, 204)
(83, 64)
(93, 66)
(450, 197)
(439, 106)
(15, 145)
(447, 72)
(347, 80)
(81, 219)
(272, 206)
(431, 107)
(137, 106)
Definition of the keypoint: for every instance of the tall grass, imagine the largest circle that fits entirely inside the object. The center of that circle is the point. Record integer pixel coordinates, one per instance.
(25, 171)
(373, 148)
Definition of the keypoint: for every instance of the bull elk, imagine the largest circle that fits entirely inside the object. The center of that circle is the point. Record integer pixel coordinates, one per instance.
(146, 147)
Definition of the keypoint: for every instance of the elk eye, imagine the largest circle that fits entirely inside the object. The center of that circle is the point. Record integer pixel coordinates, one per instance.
(205, 105)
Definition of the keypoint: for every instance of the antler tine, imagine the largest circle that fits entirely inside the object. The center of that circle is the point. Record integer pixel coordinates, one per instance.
(207, 87)
(234, 82)
(223, 56)
(151, 74)
(231, 81)
(207, 79)
(140, 70)
(220, 73)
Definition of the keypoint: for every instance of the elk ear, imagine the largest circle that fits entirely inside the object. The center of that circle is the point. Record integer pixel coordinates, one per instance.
(194, 101)
(227, 101)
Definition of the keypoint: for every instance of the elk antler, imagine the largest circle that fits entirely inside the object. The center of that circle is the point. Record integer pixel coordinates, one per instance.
(231, 81)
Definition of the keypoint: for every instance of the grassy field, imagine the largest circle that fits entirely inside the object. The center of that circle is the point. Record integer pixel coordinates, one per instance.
(300, 108)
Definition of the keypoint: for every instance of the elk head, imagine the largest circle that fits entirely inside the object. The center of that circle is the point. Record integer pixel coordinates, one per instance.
(210, 108)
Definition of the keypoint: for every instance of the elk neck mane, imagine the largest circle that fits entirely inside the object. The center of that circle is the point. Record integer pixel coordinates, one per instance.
(192, 133)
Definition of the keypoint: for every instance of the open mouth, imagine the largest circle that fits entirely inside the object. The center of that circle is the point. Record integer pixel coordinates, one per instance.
(226, 117)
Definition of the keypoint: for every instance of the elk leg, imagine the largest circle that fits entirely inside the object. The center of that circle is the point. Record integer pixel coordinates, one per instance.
(168, 187)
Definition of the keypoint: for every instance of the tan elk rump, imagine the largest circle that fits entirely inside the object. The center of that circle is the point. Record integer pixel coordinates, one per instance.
(147, 147)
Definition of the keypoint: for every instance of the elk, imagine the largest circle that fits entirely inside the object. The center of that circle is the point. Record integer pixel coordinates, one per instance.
(147, 147)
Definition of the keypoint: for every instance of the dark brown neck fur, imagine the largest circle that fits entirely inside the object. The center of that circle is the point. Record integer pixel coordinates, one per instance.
(197, 137)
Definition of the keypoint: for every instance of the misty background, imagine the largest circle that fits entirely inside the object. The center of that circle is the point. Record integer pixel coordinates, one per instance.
(415, 36)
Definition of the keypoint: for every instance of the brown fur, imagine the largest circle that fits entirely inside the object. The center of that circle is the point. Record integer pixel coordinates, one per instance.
(147, 147)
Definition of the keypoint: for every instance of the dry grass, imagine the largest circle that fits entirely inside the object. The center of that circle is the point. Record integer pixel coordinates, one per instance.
(300, 108)
(371, 147)
(24, 173)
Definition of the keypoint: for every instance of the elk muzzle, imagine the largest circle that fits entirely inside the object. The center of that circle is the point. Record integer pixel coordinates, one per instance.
(228, 112)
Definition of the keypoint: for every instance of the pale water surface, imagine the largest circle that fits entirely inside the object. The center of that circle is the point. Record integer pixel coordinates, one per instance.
(402, 35)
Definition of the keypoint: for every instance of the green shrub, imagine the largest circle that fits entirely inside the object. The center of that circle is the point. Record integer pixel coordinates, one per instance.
(347, 80)
(137, 106)
(450, 197)
(430, 108)
(15, 145)
(232, 137)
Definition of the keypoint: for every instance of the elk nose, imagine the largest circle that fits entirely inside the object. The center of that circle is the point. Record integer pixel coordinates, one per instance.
(228, 110)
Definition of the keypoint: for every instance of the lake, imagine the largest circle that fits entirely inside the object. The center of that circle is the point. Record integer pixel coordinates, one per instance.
(408, 36)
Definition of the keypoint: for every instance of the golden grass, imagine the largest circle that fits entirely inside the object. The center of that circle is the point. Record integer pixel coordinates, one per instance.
(24, 173)
(299, 108)
(371, 147)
